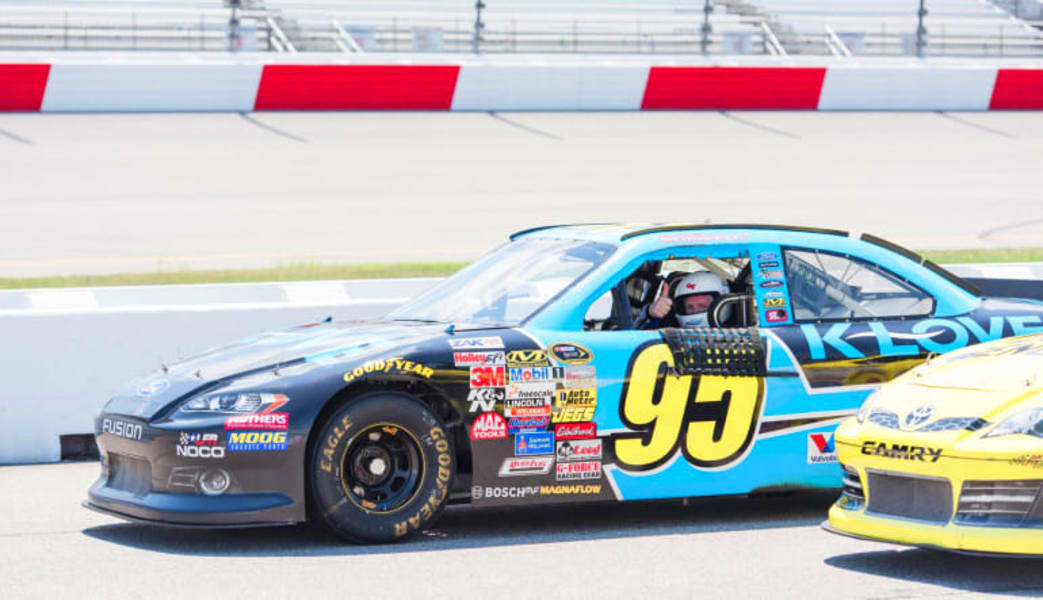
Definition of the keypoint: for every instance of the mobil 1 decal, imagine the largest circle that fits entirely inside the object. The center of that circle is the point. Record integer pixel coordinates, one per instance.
(709, 419)
(893, 339)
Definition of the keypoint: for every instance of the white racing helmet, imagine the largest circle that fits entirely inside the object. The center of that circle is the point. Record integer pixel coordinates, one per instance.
(693, 296)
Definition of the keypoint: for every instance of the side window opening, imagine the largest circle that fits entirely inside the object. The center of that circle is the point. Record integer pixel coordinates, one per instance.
(632, 297)
(827, 286)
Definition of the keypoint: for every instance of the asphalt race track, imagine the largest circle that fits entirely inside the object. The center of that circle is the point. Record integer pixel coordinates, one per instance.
(718, 548)
(94, 193)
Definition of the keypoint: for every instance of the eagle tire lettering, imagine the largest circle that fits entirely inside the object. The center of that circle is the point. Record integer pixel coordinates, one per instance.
(380, 426)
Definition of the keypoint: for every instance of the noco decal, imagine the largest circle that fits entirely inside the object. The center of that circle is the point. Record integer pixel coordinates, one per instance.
(711, 419)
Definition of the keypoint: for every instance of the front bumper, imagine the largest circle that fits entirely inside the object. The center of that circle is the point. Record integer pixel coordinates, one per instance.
(951, 537)
(970, 486)
(149, 477)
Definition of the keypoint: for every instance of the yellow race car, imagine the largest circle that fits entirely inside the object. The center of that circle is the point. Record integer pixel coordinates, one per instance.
(950, 454)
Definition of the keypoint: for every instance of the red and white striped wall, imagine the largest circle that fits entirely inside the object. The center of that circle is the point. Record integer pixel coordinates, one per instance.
(85, 85)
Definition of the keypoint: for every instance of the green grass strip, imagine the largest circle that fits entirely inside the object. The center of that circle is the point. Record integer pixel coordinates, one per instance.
(291, 272)
(315, 271)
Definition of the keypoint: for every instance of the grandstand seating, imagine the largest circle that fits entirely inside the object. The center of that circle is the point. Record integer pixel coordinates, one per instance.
(815, 27)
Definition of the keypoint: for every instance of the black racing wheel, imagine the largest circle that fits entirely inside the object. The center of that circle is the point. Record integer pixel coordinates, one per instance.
(381, 468)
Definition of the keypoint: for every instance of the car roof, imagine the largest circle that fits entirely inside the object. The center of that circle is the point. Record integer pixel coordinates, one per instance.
(625, 234)
(621, 232)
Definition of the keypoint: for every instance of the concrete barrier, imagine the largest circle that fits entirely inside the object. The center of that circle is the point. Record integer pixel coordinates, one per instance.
(74, 81)
(65, 351)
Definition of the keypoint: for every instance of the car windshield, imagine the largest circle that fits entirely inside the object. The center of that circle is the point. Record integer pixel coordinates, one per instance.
(509, 284)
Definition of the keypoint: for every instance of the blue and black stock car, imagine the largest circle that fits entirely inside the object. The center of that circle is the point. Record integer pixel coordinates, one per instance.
(522, 379)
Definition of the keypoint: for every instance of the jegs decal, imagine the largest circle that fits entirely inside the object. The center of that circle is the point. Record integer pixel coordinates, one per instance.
(710, 419)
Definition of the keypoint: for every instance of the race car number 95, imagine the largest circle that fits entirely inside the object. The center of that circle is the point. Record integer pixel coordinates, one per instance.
(711, 418)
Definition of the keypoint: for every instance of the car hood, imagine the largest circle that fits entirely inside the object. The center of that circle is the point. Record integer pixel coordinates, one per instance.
(982, 381)
(322, 343)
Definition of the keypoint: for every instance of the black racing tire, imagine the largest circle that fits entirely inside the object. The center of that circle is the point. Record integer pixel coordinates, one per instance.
(381, 468)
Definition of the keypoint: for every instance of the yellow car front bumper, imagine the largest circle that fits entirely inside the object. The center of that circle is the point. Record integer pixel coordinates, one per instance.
(953, 537)
(992, 476)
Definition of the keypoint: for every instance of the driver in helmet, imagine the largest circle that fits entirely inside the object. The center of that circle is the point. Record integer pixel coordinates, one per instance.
(690, 301)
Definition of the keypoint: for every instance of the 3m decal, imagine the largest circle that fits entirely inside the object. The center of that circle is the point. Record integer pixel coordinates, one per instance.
(533, 443)
(488, 376)
(484, 399)
(575, 431)
(571, 354)
(578, 470)
(574, 405)
(476, 343)
(901, 451)
(395, 364)
(478, 359)
(517, 467)
(822, 448)
(527, 358)
(776, 315)
(489, 426)
(576, 450)
(711, 419)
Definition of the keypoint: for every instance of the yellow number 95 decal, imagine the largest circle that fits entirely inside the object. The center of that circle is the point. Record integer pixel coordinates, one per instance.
(711, 418)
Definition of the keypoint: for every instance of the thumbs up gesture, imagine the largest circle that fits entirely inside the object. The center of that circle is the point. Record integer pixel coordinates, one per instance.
(662, 304)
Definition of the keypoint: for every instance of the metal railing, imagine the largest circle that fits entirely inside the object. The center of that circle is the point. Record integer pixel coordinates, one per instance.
(681, 33)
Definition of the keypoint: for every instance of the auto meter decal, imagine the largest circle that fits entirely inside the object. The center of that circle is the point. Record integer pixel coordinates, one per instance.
(570, 353)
